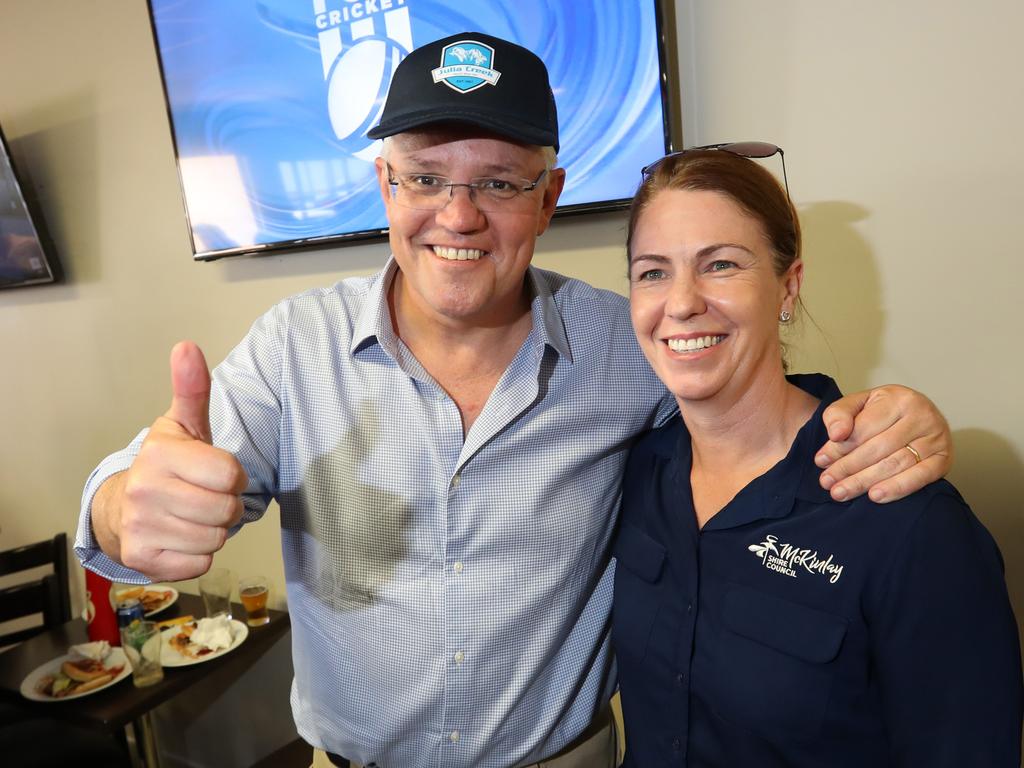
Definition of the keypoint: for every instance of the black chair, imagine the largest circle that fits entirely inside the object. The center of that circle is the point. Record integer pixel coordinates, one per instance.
(47, 595)
(26, 739)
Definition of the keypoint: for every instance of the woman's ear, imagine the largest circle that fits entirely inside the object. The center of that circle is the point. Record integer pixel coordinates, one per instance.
(790, 284)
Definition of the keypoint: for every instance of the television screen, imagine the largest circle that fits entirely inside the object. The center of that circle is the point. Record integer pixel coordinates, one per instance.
(270, 101)
(26, 257)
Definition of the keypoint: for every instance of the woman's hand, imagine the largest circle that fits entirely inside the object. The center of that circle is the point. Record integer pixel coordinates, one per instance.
(867, 448)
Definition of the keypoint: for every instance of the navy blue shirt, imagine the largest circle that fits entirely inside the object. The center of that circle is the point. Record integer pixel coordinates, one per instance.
(796, 631)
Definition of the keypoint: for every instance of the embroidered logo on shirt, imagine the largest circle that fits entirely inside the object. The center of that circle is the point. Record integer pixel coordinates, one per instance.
(788, 559)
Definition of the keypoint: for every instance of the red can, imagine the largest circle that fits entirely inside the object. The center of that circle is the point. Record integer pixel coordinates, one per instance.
(99, 613)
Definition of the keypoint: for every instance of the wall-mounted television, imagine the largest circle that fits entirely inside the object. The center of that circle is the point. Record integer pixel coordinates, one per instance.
(269, 102)
(26, 254)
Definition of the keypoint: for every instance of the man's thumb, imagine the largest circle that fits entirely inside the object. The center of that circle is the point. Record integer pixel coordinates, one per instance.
(190, 384)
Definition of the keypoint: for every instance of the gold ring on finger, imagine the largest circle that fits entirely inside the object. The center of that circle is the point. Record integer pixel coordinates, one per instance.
(917, 456)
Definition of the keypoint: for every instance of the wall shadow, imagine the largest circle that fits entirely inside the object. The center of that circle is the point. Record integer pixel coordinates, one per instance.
(989, 473)
(54, 163)
(842, 329)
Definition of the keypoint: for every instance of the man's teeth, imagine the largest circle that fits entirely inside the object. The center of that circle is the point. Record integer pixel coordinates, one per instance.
(691, 345)
(458, 254)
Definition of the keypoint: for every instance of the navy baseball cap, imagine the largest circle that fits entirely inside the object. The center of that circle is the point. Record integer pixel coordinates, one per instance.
(476, 79)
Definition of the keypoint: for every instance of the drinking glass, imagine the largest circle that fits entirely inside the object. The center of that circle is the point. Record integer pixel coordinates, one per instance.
(141, 642)
(254, 592)
(215, 589)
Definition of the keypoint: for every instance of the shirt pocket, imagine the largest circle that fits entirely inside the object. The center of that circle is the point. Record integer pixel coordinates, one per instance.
(640, 561)
(775, 662)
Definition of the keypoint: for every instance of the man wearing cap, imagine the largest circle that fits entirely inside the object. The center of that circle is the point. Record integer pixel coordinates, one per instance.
(446, 441)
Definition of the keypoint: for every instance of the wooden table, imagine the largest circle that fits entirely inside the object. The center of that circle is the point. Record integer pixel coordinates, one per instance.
(123, 708)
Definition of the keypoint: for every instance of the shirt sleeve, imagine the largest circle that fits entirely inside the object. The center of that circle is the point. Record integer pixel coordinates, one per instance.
(945, 645)
(86, 547)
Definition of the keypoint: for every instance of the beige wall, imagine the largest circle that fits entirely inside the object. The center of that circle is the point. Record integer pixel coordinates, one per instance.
(901, 121)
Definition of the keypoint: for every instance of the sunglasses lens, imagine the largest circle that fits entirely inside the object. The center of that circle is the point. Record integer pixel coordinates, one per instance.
(647, 170)
(751, 148)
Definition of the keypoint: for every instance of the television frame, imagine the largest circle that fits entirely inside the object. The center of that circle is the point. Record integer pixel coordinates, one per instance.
(668, 84)
(30, 215)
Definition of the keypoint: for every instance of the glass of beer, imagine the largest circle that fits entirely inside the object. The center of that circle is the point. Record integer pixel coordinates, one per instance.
(254, 592)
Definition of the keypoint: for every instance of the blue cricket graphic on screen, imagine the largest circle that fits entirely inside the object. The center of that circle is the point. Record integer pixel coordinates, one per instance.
(270, 102)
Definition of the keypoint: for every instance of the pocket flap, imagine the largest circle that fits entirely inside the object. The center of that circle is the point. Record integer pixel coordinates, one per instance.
(639, 552)
(794, 629)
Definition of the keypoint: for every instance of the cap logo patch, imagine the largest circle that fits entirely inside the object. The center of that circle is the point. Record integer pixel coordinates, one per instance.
(466, 66)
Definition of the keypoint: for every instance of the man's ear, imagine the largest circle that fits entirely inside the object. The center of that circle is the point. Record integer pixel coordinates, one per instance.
(555, 183)
(382, 180)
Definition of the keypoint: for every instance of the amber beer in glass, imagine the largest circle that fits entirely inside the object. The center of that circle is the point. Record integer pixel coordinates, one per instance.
(254, 592)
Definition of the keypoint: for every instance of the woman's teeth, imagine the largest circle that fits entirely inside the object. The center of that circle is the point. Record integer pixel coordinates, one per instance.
(692, 345)
(458, 254)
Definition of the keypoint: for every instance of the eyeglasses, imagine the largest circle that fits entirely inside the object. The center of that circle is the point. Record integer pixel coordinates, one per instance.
(750, 149)
(430, 192)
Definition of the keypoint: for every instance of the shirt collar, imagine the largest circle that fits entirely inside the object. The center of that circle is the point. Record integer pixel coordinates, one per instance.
(548, 323)
(813, 434)
(374, 321)
(773, 494)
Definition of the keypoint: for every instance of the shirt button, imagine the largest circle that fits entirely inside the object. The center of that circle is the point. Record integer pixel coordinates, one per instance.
(458, 566)
(679, 679)
(459, 656)
(689, 607)
(456, 479)
(453, 736)
(675, 744)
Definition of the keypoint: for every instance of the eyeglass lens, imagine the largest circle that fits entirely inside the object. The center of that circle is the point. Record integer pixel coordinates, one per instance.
(429, 192)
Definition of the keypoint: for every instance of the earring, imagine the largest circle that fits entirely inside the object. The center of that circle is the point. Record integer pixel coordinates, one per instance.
(784, 316)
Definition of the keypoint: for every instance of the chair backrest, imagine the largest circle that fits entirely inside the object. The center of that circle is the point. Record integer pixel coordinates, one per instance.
(48, 595)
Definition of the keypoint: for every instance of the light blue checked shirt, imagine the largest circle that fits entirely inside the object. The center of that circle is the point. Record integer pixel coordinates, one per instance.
(450, 598)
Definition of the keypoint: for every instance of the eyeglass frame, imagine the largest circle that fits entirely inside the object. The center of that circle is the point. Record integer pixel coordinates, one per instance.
(733, 148)
(472, 186)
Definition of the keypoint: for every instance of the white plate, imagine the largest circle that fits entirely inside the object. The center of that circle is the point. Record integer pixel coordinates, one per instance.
(119, 588)
(28, 685)
(169, 657)
(166, 603)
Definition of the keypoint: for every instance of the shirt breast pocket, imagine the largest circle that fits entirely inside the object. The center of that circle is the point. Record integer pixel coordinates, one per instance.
(640, 561)
(774, 665)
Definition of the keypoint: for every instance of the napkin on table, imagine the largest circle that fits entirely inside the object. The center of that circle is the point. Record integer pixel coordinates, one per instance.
(97, 650)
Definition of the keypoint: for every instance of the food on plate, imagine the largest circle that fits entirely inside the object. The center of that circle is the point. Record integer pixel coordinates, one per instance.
(130, 594)
(200, 638)
(77, 676)
(83, 670)
(167, 623)
(151, 599)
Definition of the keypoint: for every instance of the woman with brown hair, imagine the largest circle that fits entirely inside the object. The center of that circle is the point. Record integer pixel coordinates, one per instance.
(757, 621)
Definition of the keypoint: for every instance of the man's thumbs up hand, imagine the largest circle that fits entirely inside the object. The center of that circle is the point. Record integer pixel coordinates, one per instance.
(171, 510)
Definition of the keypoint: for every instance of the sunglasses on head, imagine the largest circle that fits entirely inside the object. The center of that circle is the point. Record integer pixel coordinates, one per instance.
(748, 149)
